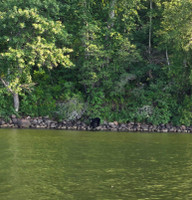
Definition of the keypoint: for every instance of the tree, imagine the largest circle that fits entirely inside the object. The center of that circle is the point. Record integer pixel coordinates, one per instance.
(176, 37)
(176, 34)
(29, 42)
(48, 8)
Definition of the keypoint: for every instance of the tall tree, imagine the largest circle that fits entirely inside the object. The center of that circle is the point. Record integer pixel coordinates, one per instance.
(30, 41)
(176, 37)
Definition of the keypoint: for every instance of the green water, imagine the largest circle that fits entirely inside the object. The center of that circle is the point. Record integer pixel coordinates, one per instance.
(46, 164)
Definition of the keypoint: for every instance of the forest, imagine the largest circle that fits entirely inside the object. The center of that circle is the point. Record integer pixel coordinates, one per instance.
(119, 60)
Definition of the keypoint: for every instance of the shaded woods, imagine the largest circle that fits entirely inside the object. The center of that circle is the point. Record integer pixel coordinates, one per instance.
(119, 60)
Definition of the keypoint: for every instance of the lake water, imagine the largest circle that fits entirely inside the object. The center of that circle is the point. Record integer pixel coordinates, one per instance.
(53, 165)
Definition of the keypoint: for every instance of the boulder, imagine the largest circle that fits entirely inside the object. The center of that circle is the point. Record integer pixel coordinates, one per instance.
(13, 116)
(15, 121)
(2, 122)
(23, 123)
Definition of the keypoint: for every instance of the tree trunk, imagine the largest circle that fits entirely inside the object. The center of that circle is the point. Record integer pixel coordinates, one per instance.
(86, 33)
(111, 14)
(110, 24)
(150, 26)
(16, 101)
(15, 95)
(167, 57)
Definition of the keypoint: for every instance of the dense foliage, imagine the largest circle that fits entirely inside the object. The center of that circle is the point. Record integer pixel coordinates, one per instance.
(114, 59)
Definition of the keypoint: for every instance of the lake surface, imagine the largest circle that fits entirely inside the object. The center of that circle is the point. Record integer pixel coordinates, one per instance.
(53, 165)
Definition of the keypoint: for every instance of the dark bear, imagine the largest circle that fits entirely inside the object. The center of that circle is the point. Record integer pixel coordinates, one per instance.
(95, 122)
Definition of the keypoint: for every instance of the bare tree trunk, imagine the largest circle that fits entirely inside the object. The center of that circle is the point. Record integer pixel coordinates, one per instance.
(150, 26)
(15, 95)
(85, 35)
(16, 101)
(111, 14)
(110, 23)
(167, 57)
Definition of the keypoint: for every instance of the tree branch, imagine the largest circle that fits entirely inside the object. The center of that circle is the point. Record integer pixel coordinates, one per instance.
(6, 85)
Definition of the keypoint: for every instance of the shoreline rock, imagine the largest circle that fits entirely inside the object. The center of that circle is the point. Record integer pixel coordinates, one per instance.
(47, 123)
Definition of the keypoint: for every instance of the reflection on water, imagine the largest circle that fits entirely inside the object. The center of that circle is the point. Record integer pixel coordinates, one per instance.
(46, 164)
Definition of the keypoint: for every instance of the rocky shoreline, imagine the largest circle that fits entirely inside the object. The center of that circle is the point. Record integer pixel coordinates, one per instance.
(46, 123)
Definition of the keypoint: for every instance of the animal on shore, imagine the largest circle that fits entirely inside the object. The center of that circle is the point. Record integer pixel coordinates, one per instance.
(95, 122)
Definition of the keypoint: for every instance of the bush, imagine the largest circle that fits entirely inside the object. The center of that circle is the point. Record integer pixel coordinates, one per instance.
(70, 109)
(6, 104)
(185, 111)
(37, 103)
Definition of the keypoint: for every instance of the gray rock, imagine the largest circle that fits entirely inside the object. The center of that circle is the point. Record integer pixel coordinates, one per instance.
(53, 125)
(34, 121)
(13, 116)
(23, 123)
(15, 121)
(2, 122)
(39, 121)
(164, 130)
